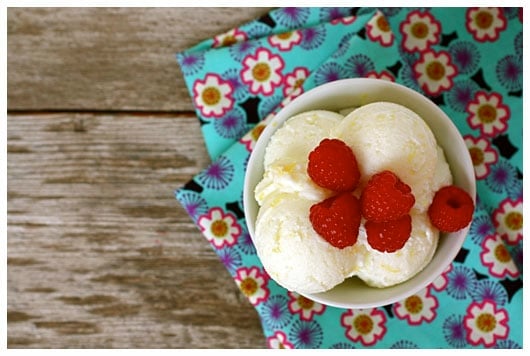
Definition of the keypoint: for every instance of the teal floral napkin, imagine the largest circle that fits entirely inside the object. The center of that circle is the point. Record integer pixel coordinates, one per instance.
(469, 62)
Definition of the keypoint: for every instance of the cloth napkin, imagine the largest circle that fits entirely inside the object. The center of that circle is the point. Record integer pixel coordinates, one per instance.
(469, 62)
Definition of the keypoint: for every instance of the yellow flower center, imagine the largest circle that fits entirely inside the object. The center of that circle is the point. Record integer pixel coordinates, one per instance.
(219, 228)
(382, 24)
(477, 156)
(483, 19)
(211, 96)
(414, 304)
(256, 131)
(435, 70)
(305, 303)
(248, 286)
(261, 72)
(229, 40)
(502, 254)
(420, 30)
(363, 324)
(284, 36)
(514, 220)
(486, 322)
(298, 83)
(487, 113)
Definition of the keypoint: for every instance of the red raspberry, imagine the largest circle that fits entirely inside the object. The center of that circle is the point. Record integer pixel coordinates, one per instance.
(451, 209)
(332, 165)
(389, 236)
(386, 198)
(337, 219)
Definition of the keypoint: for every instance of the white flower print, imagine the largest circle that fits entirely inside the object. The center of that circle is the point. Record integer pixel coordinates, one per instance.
(285, 41)
(485, 24)
(229, 38)
(420, 30)
(295, 80)
(378, 30)
(253, 283)
(435, 71)
(220, 228)
(304, 306)
(385, 75)
(364, 325)
(488, 113)
(417, 308)
(262, 72)
(251, 137)
(482, 155)
(485, 324)
(213, 96)
(508, 220)
(497, 258)
(279, 341)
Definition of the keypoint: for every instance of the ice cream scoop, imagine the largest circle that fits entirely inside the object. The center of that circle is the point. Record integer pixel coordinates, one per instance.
(285, 160)
(292, 253)
(380, 269)
(389, 136)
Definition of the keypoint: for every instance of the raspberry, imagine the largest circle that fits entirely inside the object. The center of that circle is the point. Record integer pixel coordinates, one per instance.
(332, 165)
(337, 219)
(386, 198)
(389, 236)
(451, 209)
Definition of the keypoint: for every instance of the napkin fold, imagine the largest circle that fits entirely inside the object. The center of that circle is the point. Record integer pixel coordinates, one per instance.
(469, 62)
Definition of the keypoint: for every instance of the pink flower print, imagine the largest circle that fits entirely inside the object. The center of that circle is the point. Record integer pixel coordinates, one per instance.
(385, 75)
(508, 220)
(279, 341)
(488, 113)
(229, 38)
(285, 41)
(485, 24)
(253, 283)
(441, 282)
(364, 325)
(346, 20)
(295, 80)
(378, 30)
(417, 308)
(482, 155)
(485, 324)
(291, 96)
(435, 71)
(220, 228)
(306, 307)
(420, 30)
(262, 72)
(212, 96)
(250, 138)
(497, 258)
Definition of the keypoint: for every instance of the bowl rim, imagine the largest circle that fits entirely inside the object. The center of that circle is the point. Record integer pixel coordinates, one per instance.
(298, 105)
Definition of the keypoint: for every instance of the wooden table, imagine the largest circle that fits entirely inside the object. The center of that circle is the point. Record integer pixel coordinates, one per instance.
(100, 132)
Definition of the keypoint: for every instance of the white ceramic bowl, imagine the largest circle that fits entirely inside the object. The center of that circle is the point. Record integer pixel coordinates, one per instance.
(334, 96)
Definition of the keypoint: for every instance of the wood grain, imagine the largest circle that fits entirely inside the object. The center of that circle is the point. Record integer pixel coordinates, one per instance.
(100, 254)
(106, 58)
(100, 131)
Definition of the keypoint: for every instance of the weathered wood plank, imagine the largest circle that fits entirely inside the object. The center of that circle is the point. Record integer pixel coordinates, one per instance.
(100, 254)
(106, 58)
